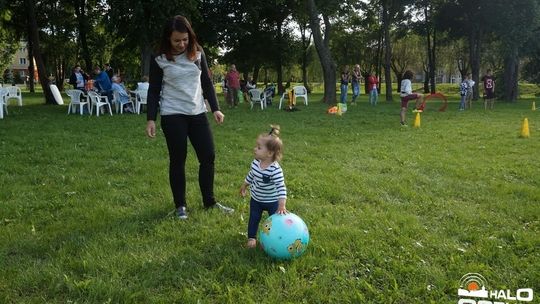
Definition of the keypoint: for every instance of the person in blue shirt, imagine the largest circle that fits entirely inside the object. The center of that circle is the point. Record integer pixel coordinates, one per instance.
(102, 83)
(118, 86)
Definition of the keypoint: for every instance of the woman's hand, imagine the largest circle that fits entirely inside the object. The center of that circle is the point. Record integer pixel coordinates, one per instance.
(219, 117)
(151, 129)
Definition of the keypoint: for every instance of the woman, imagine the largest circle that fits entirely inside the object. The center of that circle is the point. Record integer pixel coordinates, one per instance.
(355, 82)
(179, 78)
(345, 78)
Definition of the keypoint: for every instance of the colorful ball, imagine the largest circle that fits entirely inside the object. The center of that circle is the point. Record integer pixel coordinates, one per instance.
(284, 237)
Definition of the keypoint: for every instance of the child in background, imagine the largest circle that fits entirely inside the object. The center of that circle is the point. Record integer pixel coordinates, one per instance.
(345, 79)
(406, 95)
(470, 90)
(266, 182)
(489, 90)
(373, 82)
(355, 82)
(463, 88)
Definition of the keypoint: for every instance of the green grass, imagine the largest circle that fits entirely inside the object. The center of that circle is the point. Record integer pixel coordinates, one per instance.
(396, 215)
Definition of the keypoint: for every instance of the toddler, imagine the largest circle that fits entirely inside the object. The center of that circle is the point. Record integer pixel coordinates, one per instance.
(266, 182)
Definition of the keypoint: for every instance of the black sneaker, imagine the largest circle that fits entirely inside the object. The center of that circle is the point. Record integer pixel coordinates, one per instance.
(219, 206)
(181, 213)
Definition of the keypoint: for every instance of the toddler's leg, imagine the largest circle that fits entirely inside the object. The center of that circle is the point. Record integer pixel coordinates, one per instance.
(255, 213)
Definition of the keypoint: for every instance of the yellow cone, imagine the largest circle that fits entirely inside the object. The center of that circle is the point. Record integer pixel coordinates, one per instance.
(525, 128)
(533, 106)
(417, 120)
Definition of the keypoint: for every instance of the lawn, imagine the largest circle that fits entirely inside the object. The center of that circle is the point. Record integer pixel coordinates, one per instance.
(396, 215)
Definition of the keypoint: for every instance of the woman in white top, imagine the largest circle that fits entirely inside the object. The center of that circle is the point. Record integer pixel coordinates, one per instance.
(179, 83)
(406, 95)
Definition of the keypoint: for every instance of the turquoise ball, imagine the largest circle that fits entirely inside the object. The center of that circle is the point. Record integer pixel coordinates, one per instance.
(284, 237)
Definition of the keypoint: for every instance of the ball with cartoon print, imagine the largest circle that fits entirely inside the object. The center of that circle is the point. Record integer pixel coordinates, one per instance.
(284, 237)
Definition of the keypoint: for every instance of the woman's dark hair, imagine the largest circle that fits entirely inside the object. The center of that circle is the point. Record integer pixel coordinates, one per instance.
(408, 75)
(182, 25)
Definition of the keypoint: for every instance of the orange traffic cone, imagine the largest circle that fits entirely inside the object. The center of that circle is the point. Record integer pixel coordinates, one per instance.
(525, 129)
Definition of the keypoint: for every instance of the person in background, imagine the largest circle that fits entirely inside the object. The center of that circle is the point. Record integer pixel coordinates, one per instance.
(470, 91)
(489, 90)
(373, 82)
(463, 88)
(122, 93)
(179, 83)
(78, 78)
(355, 82)
(103, 83)
(266, 182)
(233, 86)
(250, 84)
(345, 78)
(406, 95)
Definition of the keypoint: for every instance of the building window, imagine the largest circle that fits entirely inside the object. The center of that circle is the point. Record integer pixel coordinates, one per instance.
(22, 61)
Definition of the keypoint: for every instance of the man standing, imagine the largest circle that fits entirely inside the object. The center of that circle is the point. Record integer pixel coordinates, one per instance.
(489, 90)
(233, 85)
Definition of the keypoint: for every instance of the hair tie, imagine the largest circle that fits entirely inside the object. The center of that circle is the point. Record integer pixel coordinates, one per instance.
(271, 131)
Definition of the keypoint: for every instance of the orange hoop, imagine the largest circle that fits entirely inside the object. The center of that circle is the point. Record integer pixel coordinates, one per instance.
(439, 95)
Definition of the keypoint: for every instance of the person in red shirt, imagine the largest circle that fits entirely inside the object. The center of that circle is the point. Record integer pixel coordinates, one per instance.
(233, 86)
(373, 82)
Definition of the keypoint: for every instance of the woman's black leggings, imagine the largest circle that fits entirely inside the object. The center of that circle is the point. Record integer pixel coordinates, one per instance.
(177, 129)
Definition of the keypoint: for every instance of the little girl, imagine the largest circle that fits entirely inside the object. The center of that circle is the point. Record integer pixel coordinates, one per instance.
(266, 182)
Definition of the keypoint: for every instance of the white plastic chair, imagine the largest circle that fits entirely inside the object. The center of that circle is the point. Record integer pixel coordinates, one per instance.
(14, 92)
(95, 99)
(118, 102)
(140, 99)
(75, 96)
(257, 96)
(299, 91)
(3, 104)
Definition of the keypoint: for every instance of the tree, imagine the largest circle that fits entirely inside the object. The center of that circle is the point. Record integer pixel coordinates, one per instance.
(514, 26)
(138, 24)
(34, 38)
(323, 50)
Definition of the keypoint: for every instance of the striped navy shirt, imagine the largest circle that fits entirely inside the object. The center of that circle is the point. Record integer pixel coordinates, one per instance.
(268, 185)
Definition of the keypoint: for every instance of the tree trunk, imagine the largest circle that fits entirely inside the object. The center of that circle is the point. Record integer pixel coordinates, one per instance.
(31, 67)
(34, 36)
(474, 58)
(279, 65)
(432, 66)
(305, 49)
(323, 50)
(387, 52)
(80, 12)
(510, 77)
(256, 69)
(146, 56)
(430, 51)
(378, 63)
